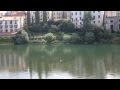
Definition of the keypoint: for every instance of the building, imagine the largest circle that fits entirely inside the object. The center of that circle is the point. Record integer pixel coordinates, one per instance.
(2, 13)
(49, 15)
(110, 13)
(11, 24)
(76, 17)
(97, 18)
(57, 15)
(112, 23)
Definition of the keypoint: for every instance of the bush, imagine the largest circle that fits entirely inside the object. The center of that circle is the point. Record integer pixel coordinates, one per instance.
(21, 37)
(53, 29)
(89, 37)
(59, 36)
(49, 37)
(66, 26)
(66, 38)
(75, 38)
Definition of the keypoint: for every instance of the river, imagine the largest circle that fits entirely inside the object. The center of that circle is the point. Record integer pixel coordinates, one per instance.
(60, 62)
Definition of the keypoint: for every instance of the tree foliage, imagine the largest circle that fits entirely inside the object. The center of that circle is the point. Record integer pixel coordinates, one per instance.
(21, 37)
(28, 18)
(87, 21)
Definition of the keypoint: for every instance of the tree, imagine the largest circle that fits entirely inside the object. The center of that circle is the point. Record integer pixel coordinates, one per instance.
(53, 29)
(66, 38)
(75, 38)
(87, 21)
(89, 37)
(44, 16)
(21, 37)
(37, 17)
(66, 26)
(28, 19)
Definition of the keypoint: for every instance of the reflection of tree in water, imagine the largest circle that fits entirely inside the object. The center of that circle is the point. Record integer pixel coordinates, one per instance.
(11, 58)
(77, 60)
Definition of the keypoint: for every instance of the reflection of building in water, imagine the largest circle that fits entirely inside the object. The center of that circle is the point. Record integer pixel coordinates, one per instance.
(11, 61)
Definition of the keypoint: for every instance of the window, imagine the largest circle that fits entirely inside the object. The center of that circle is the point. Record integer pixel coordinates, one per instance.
(98, 11)
(98, 21)
(93, 11)
(119, 20)
(72, 19)
(76, 19)
(6, 26)
(98, 16)
(80, 13)
(15, 22)
(111, 27)
(80, 18)
(75, 13)
(11, 30)
(10, 22)
(93, 17)
(5, 22)
(6, 30)
(11, 26)
(119, 26)
(72, 14)
(93, 21)
(80, 23)
(1, 27)
(15, 26)
(111, 21)
(15, 30)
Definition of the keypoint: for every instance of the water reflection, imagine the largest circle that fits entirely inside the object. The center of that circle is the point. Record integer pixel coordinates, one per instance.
(60, 61)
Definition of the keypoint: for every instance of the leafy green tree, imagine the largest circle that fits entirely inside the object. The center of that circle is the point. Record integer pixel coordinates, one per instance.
(87, 21)
(44, 16)
(45, 27)
(21, 37)
(66, 38)
(28, 18)
(75, 38)
(66, 26)
(89, 37)
(53, 29)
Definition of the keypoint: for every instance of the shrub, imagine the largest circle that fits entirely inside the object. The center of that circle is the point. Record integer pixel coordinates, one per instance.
(75, 38)
(66, 38)
(59, 36)
(21, 37)
(49, 37)
(89, 37)
(53, 29)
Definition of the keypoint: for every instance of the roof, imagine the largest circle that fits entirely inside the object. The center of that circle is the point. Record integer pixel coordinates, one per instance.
(10, 18)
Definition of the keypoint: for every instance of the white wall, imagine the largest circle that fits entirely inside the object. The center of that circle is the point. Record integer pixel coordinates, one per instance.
(76, 18)
(99, 16)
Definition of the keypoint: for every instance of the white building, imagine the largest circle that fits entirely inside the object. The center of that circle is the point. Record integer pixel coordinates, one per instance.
(97, 18)
(110, 13)
(76, 17)
(49, 15)
(57, 15)
(11, 24)
(2, 13)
